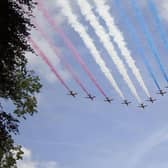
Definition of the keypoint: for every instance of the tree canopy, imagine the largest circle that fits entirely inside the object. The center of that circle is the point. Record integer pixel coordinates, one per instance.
(18, 84)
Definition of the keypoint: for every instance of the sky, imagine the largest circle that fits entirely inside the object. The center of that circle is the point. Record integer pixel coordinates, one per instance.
(72, 132)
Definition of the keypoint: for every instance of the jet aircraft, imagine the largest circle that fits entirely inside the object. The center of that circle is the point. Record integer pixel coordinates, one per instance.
(89, 96)
(161, 92)
(142, 106)
(126, 102)
(151, 100)
(108, 100)
(71, 93)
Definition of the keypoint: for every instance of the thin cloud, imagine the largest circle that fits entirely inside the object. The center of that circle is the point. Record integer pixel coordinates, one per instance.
(146, 146)
(29, 162)
(37, 64)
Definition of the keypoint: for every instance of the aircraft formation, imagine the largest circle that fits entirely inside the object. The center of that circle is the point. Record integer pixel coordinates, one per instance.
(125, 102)
(126, 60)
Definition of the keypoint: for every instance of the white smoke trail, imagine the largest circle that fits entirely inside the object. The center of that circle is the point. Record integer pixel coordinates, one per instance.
(103, 11)
(86, 10)
(80, 29)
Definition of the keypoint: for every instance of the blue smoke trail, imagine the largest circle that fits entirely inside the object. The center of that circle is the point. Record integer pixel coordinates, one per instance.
(158, 21)
(148, 37)
(135, 38)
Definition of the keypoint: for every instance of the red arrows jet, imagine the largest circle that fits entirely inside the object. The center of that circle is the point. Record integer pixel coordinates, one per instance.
(126, 102)
(142, 106)
(89, 96)
(161, 92)
(108, 100)
(71, 93)
(151, 100)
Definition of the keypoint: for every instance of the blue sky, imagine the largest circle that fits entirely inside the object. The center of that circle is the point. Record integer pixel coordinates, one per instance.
(73, 133)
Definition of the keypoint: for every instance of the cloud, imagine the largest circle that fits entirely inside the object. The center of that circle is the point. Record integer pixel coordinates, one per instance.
(29, 162)
(161, 5)
(38, 64)
(145, 147)
(54, 12)
(35, 62)
(163, 9)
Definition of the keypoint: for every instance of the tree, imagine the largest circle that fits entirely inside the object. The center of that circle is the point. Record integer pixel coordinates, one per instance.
(18, 84)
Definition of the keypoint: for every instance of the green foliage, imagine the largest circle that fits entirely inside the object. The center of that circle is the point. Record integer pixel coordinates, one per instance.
(9, 152)
(17, 84)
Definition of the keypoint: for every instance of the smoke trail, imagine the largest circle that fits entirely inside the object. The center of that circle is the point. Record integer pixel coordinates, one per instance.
(71, 47)
(149, 37)
(105, 39)
(135, 39)
(59, 55)
(158, 21)
(103, 10)
(44, 57)
(79, 28)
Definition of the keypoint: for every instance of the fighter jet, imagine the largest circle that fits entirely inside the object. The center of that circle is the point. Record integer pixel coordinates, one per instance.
(161, 92)
(142, 106)
(126, 102)
(108, 100)
(90, 97)
(71, 93)
(151, 100)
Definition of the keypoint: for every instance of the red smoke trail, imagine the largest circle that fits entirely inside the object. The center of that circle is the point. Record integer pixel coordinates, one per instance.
(58, 53)
(43, 56)
(70, 46)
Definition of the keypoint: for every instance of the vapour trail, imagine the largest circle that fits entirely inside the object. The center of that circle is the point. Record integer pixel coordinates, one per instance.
(158, 22)
(61, 57)
(148, 37)
(135, 39)
(104, 11)
(86, 10)
(45, 59)
(80, 29)
(71, 47)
